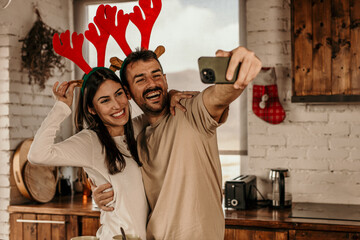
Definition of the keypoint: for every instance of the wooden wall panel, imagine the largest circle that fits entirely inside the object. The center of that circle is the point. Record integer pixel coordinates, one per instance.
(316, 235)
(72, 229)
(302, 25)
(29, 229)
(44, 229)
(90, 226)
(58, 230)
(355, 46)
(16, 228)
(321, 17)
(340, 47)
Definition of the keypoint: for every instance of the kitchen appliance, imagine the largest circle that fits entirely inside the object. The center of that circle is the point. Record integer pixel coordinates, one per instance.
(279, 197)
(240, 193)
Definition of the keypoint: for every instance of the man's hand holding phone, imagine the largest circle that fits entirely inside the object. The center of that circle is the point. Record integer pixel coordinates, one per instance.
(239, 67)
(250, 66)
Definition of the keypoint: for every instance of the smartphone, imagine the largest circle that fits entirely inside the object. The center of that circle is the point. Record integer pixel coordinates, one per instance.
(213, 70)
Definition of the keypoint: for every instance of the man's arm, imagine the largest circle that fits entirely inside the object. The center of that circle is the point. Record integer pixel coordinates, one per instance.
(218, 97)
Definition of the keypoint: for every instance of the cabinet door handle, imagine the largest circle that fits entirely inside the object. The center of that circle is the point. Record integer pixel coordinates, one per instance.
(39, 221)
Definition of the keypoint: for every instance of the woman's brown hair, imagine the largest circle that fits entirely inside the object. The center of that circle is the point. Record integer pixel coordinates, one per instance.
(114, 159)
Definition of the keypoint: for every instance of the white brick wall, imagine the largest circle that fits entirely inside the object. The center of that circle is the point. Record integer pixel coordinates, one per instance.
(22, 106)
(319, 144)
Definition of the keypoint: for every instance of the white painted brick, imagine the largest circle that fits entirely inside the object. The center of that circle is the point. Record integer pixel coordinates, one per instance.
(4, 74)
(324, 153)
(30, 121)
(299, 115)
(256, 151)
(288, 129)
(4, 110)
(15, 121)
(4, 216)
(21, 88)
(5, 169)
(344, 116)
(355, 154)
(307, 141)
(264, 37)
(14, 98)
(5, 156)
(4, 52)
(4, 143)
(288, 152)
(21, 133)
(4, 40)
(306, 164)
(5, 195)
(355, 130)
(4, 121)
(26, 98)
(40, 110)
(4, 203)
(344, 142)
(268, 163)
(4, 97)
(5, 231)
(260, 140)
(346, 165)
(4, 181)
(330, 129)
(20, 110)
(255, 128)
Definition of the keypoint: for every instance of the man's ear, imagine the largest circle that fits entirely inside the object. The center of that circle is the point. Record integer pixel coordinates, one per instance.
(91, 110)
(127, 92)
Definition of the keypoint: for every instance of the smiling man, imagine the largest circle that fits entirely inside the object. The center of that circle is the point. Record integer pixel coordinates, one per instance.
(181, 166)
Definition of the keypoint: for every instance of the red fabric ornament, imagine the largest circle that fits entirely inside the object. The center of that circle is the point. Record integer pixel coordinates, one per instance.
(266, 104)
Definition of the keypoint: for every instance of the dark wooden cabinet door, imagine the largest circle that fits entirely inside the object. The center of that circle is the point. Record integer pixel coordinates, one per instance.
(89, 226)
(43, 227)
(326, 50)
(247, 234)
(319, 235)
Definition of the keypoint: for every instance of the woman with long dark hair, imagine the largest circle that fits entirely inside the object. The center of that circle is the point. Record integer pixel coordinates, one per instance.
(104, 146)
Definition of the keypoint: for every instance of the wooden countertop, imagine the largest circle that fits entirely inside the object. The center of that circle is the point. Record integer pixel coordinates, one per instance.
(66, 205)
(279, 218)
(266, 217)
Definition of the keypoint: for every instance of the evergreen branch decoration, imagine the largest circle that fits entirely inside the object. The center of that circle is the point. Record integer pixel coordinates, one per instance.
(38, 55)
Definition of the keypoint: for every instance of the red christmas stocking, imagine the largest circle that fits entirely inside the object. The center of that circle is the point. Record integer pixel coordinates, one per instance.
(266, 104)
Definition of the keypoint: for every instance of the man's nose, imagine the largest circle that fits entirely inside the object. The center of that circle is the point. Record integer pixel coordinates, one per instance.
(150, 81)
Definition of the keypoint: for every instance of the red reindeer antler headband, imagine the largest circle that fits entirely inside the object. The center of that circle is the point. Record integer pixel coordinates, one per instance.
(105, 21)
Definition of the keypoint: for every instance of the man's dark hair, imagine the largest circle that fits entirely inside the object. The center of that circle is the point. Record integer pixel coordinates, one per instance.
(139, 54)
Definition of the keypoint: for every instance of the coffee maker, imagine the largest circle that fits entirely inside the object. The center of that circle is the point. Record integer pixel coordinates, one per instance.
(279, 197)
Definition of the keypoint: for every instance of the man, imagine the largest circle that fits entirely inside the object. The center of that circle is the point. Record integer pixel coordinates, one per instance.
(181, 167)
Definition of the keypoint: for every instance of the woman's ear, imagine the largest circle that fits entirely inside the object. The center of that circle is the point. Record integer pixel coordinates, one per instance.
(91, 110)
(127, 92)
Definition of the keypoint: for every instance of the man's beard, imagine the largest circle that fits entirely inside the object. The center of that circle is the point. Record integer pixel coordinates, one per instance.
(147, 108)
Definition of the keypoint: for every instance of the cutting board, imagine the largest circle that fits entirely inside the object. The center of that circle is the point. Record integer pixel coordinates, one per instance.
(40, 182)
(19, 160)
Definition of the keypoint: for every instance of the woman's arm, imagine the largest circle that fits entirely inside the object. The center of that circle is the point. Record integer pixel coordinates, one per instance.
(74, 151)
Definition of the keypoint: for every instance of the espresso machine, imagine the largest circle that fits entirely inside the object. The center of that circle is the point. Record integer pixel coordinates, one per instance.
(280, 198)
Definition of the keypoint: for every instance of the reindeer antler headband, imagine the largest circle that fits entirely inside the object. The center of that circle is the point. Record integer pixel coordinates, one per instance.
(105, 21)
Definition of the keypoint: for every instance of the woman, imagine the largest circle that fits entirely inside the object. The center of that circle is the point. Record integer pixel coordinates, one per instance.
(106, 148)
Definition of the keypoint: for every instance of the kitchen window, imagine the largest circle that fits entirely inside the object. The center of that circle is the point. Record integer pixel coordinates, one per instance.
(188, 29)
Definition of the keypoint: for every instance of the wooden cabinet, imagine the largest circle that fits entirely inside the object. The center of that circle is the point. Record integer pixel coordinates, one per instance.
(326, 50)
(246, 234)
(59, 220)
(275, 224)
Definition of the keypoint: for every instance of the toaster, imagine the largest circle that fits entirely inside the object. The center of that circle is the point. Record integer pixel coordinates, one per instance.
(240, 193)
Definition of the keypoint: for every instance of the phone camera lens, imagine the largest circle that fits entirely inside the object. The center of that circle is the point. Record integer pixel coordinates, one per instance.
(208, 75)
